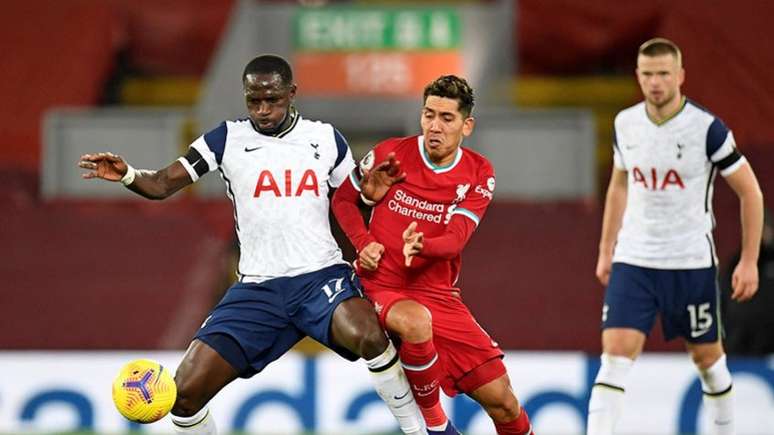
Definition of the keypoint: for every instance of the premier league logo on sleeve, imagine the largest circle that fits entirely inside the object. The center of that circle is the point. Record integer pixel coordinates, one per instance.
(367, 162)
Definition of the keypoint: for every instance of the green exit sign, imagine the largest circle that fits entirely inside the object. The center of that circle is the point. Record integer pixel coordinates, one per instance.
(364, 28)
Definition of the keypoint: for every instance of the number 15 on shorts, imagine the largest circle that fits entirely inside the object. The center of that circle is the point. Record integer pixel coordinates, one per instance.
(701, 319)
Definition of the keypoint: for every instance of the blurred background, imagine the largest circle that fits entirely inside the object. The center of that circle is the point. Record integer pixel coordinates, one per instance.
(93, 276)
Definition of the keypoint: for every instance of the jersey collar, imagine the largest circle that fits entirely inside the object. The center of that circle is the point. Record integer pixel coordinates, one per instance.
(290, 121)
(429, 163)
(668, 118)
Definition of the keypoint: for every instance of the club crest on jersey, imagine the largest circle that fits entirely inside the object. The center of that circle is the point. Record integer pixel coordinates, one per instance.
(316, 147)
(267, 183)
(462, 190)
(654, 181)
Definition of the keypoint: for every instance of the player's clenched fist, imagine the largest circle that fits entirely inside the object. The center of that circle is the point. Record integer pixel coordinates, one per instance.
(107, 166)
(412, 243)
(369, 257)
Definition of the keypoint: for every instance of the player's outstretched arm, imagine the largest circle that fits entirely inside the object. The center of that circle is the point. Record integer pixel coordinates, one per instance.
(151, 184)
(744, 280)
(378, 180)
(615, 204)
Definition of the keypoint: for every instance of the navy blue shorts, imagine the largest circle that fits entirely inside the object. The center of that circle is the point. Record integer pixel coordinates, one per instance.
(254, 324)
(687, 300)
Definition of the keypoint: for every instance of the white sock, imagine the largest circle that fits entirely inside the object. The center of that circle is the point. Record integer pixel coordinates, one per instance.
(200, 424)
(607, 394)
(718, 398)
(392, 386)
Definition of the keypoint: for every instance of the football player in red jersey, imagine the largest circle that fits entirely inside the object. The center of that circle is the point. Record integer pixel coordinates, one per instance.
(409, 257)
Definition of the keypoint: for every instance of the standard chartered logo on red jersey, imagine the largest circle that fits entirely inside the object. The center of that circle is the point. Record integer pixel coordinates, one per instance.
(415, 208)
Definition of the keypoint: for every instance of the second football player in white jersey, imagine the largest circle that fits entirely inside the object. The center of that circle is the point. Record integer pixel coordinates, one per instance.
(656, 252)
(293, 282)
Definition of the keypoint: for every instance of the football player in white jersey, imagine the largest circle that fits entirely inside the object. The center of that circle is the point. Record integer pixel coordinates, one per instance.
(656, 252)
(293, 282)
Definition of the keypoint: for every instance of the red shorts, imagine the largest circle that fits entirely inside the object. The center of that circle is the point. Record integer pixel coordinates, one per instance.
(470, 356)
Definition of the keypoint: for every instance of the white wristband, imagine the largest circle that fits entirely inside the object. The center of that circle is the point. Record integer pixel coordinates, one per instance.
(367, 201)
(128, 178)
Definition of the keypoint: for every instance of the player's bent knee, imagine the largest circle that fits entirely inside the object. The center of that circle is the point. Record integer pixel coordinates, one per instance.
(411, 321)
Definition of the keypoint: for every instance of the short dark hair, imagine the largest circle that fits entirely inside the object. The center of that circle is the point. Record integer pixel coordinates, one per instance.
(270, 64)
(660, 46)
(455, 88)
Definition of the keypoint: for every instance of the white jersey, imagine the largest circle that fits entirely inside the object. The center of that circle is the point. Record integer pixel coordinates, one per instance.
(279, 186)
(671, 167)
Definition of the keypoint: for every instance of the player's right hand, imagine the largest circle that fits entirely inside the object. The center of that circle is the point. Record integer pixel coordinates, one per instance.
(744, 281)
(377, 181)
(107, 166)
(604, 266)
(369, 257)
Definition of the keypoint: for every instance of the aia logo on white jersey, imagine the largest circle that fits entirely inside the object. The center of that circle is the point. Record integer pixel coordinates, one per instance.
(656, 181)
(462, 190)
(267, 184)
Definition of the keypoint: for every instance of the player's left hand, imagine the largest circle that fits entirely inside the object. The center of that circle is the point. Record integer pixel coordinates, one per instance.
(378, 180)
(412, 243)
(744, 281)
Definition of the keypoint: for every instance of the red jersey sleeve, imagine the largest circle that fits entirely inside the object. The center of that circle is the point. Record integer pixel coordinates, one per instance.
(465, 218)
(346, 199)
(345, 207)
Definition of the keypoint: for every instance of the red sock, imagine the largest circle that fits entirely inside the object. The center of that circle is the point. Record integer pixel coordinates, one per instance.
(520, 426)
(424, 372)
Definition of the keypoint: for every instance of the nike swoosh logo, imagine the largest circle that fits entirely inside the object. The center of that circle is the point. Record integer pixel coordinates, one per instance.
(247, 150)
(400, 397)
(695, 334)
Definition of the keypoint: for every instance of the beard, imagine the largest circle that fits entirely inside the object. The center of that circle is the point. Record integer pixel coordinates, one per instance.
(665, 100)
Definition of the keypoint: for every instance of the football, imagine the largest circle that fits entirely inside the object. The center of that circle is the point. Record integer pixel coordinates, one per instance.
(144, 391)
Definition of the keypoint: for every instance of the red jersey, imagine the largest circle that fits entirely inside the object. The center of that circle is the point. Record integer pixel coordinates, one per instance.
(446, 202)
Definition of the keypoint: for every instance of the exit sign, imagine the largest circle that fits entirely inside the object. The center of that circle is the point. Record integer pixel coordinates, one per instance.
(374, 51)
(353, 29)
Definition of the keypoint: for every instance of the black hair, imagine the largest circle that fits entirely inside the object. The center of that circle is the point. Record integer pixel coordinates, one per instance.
(455, 88)
(270, 64)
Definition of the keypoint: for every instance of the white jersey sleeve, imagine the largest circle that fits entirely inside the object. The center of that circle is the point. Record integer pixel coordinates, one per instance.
(205, 154)
(618, 161)
(344, 161)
